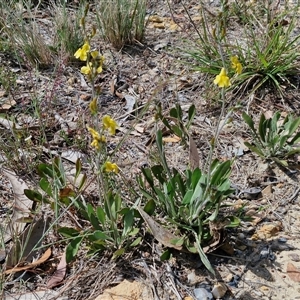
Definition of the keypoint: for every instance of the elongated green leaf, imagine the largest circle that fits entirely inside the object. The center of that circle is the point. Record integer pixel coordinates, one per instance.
(82, 182)
(45, 170)
(118, 253)
(100, 235)
(187, 198)
(128, 222)
(73, 248)
(249, 121)
(191, 115)
(78, 166)
(34, 196)
(295, 139)
(294, 126)
(166, 255)
(281, 162)
(202, 255)
(158, 172)
(180, 184)
(254, 149)
(59, 170)
(148, 175)
(233, 222)
(100, 214)
(174, 113)
(46, 186)
(68, 232)
(159, 141)
(282, 141)
(195, 177)
(136, 242)
(150, 207)
(293, 151)
(177, 130)
(262, 127)
(222, 171)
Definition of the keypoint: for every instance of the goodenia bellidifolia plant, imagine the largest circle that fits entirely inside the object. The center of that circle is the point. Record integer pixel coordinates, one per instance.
(190, 200)
(275, 138)
(109, 223)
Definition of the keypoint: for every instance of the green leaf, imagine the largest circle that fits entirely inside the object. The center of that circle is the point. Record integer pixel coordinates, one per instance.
(280, 162)
(59, 170)
(128, 222)
(94, 221)
(166, 255)
(180, 184)
(45, 170)
(262, 127)
(158, 172)
(249, 121)
(78, 167)
(294, 126)
(134, 232)
(222, 171)
(254, 149)
(136, 242)
(68, 232)
(191, 115)
(187, 198)
(178, 242)
(100, 214)
(118, 253)
(195, 177)
(73, 248)
(234, 222)
(148, 175)
(203, 257)
(292, 152)
(191, 248)
(150, 207)
(177, 130)
(99, 235)
(34, 196)
(174, 113)
(295, 139)
(159, 141)
(82, 182)
(46, 187)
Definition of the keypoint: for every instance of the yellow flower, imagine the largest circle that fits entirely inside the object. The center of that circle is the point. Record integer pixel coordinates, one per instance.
(93, 106)
(99, 70)
(109, 124)
(236, 65)
(95, 143)
(81, 53)
(94, 54)
(87, 69)
(222, 80)
(97, 138)
(110, 167)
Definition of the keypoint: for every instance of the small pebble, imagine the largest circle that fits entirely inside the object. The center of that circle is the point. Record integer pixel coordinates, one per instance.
(219, 290)
(294, 257)
(229, 277)
(282, 240)
(241, 236)
(202, 294)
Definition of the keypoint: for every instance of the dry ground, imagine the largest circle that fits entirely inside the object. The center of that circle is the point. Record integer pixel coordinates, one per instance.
(258, 263)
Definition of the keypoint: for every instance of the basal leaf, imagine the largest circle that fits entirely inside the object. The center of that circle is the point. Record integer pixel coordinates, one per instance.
(73, 248)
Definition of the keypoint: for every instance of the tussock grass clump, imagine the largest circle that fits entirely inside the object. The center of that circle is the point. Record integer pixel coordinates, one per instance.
(122, 21)
(266, 45)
